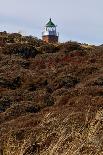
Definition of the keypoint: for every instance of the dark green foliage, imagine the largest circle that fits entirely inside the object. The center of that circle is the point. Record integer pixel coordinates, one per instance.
(34, 41)
(24, 50)
(69, 46)
(49, 48)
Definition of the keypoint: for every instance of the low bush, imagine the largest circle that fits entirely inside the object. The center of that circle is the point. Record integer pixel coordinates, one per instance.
(33, 109)
(99, 81)
(24, 50)
(48, 100)
(4, 104)
(49, 89)
(18, 135)
(24, 64)
(65, 81)
(32, 149)
(32, 87)
(49, 48)
(69, 46)
(16, 83)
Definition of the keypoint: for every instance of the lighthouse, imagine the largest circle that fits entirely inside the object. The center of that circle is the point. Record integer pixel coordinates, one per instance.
(49, 34)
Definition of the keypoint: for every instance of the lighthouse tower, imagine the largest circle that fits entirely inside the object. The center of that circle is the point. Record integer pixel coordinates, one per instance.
(49, 34)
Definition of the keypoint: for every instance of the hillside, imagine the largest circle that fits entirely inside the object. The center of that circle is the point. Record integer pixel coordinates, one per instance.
(51, 98)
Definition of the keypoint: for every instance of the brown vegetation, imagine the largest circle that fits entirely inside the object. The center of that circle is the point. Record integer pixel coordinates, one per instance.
(51, 98)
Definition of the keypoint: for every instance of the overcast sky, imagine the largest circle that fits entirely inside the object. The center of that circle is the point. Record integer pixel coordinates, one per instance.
(77, 20)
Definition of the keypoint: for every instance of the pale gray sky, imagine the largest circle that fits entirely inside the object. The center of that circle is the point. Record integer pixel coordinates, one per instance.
(78, 20)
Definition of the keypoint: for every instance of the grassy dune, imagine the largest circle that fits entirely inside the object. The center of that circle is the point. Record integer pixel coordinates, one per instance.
(51, 99)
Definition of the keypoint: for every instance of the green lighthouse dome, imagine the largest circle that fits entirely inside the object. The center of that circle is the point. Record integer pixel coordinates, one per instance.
(50, 24)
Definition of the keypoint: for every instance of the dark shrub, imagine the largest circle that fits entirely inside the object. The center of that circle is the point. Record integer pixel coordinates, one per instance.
(42, 83)
(33, 109)
(48, 100)
(99, 81)
(67, 82)
(100, 93)
(1, 152)
(86, 71)
(5, 83)
(16, 83)
(25, 64)
(18, 135)
(24, 50)
(45, 82)
(33, 149)
(92, 60)
(69, 46)
(32, 87)
(49, 89)
(49, 48)
(4, 104)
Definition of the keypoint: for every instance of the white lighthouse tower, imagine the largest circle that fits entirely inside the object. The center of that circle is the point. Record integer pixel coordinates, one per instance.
(49, 34)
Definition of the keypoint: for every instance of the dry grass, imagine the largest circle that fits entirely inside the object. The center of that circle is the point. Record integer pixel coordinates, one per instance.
(51, 104)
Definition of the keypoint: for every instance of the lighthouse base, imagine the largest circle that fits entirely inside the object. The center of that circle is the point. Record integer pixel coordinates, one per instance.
(50, 39)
